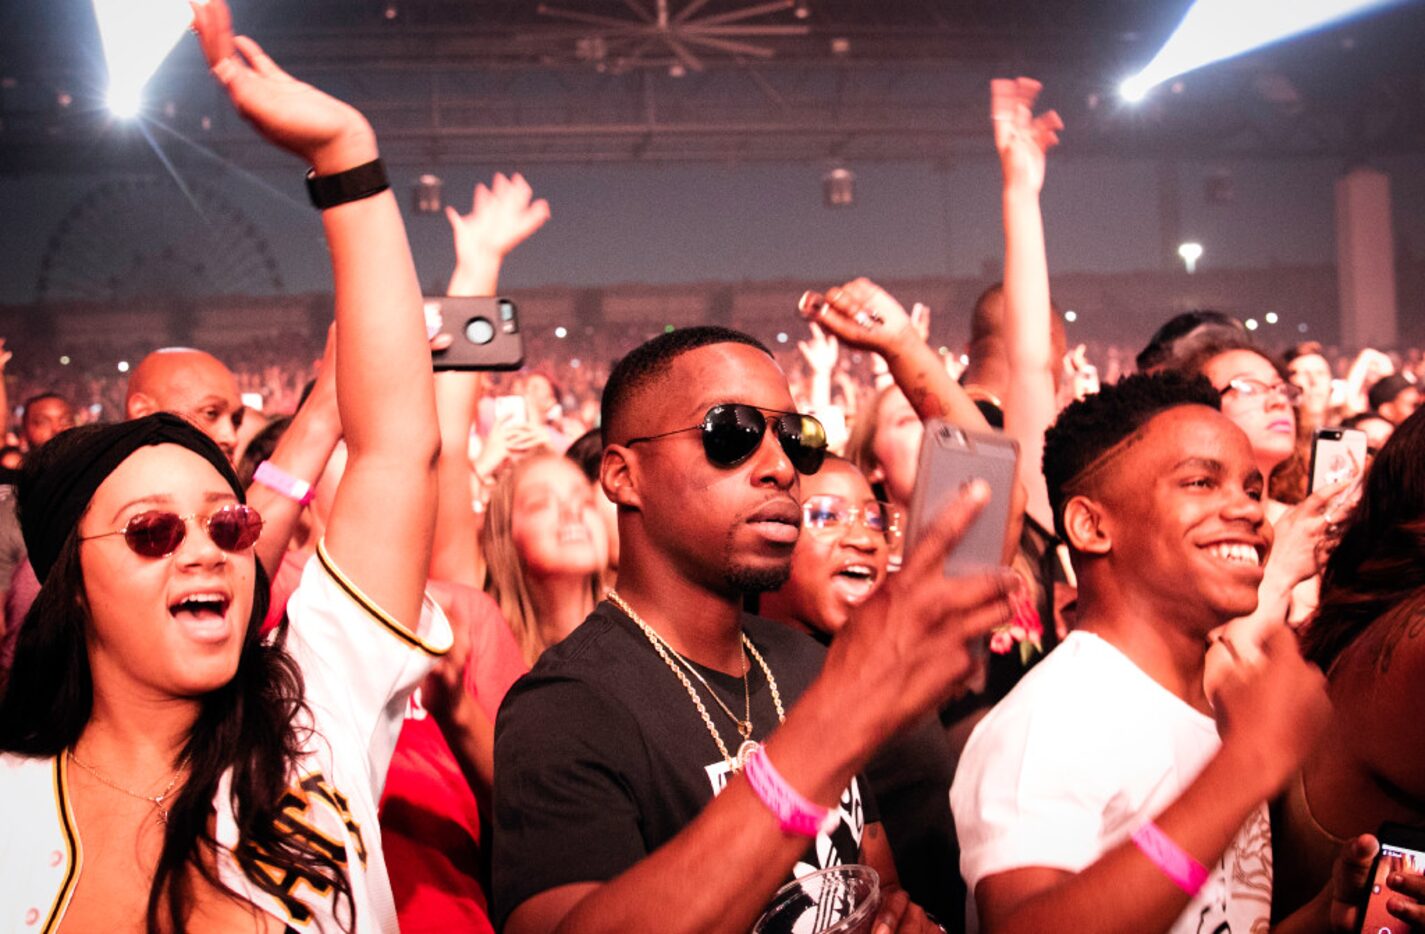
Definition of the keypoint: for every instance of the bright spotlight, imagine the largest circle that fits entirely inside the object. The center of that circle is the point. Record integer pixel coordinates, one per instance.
(137, 37)
(1133, 90)
(1071, 316)
(1213, 30)
(123, 366)
(1251, 324)
(1271, 317)
(1191, 253)
(561, 332)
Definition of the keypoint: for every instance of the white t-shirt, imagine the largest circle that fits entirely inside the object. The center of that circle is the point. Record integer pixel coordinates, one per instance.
(359, 666)
(1084, 750)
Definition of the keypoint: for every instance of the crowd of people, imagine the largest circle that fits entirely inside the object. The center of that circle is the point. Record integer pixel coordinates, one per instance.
(632, 644)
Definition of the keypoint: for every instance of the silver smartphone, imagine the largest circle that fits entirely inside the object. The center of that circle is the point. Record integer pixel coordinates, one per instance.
(950, 458)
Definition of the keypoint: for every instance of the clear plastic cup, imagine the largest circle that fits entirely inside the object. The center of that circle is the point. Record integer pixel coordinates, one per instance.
(839, 900)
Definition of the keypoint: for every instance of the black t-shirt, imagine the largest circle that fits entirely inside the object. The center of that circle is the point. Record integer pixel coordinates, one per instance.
(601, 756)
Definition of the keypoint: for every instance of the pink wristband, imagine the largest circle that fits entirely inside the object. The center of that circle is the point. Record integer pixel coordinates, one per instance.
(275, 478)
(1174, 862)
(795, 814)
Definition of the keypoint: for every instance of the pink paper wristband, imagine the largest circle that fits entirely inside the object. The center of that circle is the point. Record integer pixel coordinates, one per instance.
(1172, 860)
(794, 813)
(275, 478)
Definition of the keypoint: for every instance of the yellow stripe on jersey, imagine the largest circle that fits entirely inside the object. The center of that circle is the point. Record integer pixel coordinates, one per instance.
(367, 604)
(71, 843)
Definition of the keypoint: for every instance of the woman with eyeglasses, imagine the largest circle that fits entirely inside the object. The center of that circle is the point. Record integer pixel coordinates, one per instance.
(1258, 398)
(840, 560)
(163, 767)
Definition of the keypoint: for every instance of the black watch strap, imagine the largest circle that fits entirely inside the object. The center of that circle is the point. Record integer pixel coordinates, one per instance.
(328, 191)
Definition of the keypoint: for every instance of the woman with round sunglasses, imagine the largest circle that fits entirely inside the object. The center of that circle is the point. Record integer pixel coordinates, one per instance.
(165, 768)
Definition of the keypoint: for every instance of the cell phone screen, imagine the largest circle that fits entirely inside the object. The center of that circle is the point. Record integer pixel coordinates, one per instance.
(1375, 919)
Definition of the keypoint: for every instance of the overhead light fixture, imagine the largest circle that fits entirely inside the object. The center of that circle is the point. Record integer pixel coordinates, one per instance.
(838, 188)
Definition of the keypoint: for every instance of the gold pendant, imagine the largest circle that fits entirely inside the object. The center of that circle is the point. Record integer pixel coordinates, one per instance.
(745, 751)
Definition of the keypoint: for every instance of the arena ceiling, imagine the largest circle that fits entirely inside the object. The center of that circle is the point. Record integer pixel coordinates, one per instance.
(814, 81)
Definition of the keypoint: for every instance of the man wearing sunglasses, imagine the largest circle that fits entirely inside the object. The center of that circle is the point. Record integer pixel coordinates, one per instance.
(670, 763)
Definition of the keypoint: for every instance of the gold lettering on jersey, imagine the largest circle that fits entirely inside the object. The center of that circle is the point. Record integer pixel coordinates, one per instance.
(296, 820)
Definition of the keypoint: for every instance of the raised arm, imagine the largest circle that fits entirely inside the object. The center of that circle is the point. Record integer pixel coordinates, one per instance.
(501, 217)
(381, 525)
(301, 454)
(1029, 406)
(863, 315)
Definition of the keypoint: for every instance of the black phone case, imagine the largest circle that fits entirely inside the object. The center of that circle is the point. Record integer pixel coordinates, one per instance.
(485, 333)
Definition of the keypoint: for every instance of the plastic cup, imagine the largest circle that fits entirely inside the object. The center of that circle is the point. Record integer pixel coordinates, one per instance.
(839, 900)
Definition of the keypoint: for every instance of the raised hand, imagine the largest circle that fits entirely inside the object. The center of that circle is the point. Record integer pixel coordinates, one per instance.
(1274, 710)
(1021, 138)
(820, 352)
(502, 216)
(862, 315)
(908, 645)
(328, 134)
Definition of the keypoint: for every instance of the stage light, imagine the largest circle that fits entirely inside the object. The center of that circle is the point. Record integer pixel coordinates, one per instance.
(561, 332)
(1214, 30)
(1133, 90)
(64, 361)
(781, 337)
(1271, 317)
(1191, 253)
(1251, 324)
(123, 366)
(1302, 329)
(1071, 316)
(137, 37)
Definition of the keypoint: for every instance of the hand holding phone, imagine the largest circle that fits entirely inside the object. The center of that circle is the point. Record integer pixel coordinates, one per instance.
(1337, 455)
(950, 458)
(1402, 851)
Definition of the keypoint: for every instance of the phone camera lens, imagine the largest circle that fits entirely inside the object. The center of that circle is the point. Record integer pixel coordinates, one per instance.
(479, 331)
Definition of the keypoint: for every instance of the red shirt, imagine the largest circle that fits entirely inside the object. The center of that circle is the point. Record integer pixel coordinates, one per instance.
(430, 822)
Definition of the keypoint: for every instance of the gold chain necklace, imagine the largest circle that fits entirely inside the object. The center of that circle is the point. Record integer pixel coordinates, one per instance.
(156, 800)
(668, 653)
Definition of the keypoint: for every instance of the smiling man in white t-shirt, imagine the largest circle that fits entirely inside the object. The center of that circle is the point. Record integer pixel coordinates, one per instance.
(1102, 794)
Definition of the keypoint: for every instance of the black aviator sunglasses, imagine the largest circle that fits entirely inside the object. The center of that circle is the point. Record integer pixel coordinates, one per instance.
(732, 431)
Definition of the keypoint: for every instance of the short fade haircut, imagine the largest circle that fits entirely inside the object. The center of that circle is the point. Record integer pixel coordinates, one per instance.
(650, 361)
(1180, 334)
(1087, 429)
(38, 398)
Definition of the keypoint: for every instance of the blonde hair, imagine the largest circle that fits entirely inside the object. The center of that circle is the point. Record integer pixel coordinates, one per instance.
(504, 578)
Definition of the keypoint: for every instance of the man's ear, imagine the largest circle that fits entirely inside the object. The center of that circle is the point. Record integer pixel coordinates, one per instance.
(618, 475)
(1085, 526)
(139, 404)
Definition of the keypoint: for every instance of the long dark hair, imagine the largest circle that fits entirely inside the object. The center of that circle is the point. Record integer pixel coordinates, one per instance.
(252, 724)
(1377, 570)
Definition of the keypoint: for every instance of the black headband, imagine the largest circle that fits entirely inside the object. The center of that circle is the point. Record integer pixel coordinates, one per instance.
(59, 479)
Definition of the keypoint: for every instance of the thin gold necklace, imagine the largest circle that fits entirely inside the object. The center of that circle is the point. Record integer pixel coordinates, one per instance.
(668, 653)
(156, 800)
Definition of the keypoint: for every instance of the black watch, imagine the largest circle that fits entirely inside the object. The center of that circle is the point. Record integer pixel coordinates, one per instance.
(328, 191)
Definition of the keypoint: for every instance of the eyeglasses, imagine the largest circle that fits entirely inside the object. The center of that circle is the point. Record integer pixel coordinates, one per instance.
(732, 431)
(831, 512)
(1249, 388)
(158, 533)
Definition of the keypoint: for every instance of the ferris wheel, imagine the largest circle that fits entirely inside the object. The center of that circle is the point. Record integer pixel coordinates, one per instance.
(144, 237)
